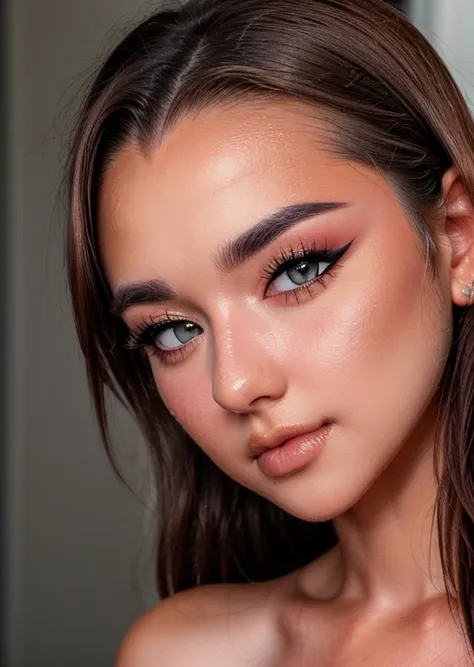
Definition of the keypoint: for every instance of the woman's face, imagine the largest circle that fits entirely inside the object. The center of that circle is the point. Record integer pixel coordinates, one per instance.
(324, 316)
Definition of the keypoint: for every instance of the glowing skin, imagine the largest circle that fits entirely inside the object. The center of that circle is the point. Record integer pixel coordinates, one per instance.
(365, 352)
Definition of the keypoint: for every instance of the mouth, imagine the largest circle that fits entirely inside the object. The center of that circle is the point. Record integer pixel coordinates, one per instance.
(290, 450)
(261, 443)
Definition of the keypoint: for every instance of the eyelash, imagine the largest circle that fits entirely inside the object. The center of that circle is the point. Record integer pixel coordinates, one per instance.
(290, 258)
(146, 332)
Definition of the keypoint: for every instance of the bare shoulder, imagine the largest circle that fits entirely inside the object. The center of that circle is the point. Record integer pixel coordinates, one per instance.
(154, 638)
(222, 624)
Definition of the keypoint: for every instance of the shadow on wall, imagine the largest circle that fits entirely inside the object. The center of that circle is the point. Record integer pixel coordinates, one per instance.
(399, 4)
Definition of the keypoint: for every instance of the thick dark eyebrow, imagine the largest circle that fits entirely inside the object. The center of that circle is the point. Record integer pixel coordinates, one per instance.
(229, 256)
(254, 240)
(133, 294)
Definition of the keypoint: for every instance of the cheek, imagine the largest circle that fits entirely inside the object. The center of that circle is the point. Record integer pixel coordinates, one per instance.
(189, 396)
(381, 350)
(187, 392)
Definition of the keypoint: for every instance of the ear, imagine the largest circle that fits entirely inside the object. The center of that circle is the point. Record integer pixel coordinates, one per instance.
(459, 211)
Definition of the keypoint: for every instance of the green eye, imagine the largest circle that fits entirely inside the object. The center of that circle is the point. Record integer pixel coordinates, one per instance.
(303, 272)
(176, 335)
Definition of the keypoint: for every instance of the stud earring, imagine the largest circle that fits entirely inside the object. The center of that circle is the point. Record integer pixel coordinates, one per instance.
(468, 291)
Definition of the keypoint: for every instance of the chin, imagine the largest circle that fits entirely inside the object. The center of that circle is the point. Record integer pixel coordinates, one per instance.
(307, 498)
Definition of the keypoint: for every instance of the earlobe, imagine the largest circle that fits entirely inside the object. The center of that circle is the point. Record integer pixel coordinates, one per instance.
(459, 211)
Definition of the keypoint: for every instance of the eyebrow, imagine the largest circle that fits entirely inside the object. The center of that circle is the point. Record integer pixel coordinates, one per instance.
(229, 256)
(236, 252)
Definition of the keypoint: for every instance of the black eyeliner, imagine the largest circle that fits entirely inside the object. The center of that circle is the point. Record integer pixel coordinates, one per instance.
(290, 258)
(147, 331)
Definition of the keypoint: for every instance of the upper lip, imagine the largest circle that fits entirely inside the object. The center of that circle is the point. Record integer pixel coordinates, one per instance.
(260, 443)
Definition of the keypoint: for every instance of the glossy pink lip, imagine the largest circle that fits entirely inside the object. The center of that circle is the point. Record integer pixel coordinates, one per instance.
(293, 454)
(260, 443)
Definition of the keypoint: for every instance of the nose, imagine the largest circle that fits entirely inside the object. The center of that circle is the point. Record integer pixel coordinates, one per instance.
(247, 373)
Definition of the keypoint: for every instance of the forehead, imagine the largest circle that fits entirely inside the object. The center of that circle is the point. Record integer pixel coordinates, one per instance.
(212, 177)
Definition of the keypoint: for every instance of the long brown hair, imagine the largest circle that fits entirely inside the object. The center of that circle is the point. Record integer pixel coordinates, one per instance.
(390, 103)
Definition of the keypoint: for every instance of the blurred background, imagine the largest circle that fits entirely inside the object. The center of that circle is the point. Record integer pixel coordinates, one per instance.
(76, 547)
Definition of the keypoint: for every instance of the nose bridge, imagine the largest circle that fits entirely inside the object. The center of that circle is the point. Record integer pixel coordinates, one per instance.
(245, 365)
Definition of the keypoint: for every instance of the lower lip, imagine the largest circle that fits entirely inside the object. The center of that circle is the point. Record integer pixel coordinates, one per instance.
(294, 454)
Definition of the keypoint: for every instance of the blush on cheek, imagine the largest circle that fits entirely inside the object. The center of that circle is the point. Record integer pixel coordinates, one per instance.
(191, 403)
(346, 333)
(379, 300)
(380, 352)
(172, 395)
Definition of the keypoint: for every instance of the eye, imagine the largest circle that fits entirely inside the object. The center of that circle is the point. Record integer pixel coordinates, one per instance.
(305, 271)
(299, 268)
(166, 338)
(175, 335)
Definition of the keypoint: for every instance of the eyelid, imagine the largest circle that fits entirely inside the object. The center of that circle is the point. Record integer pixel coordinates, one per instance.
(151, 327)
(289, 256)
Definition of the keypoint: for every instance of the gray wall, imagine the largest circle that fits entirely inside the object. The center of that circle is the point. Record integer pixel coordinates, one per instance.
(75, 553)
(449, 25)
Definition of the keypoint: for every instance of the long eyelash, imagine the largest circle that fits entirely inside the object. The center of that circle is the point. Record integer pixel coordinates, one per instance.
(291, 257)
(146, 332)
(295, 294)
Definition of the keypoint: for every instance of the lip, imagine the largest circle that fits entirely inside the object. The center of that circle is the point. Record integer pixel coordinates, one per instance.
(259, 444)
(293, 454)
